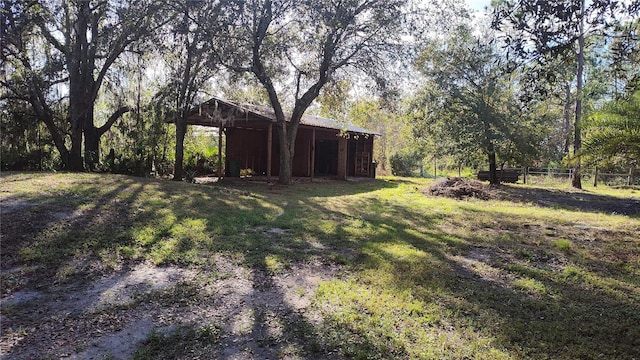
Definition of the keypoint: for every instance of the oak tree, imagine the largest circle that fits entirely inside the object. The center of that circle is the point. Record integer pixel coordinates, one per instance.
(469, 103)
(294, 48)
(186, 48)
(61, 52)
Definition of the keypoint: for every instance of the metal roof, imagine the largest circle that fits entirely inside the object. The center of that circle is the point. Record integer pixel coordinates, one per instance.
(268, 113)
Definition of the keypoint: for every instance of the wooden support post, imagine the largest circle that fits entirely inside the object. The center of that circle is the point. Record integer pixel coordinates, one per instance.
(595, 177)
(220, 129)
(524, 174)
(313, 153)
(269, 146)
(630, 177)
(342, 158)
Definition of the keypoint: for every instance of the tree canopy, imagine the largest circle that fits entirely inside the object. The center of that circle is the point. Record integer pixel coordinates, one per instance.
(613, 134)
(469, 103)
(294, 48)
(61, 53)
(547, 30)
(81, 78)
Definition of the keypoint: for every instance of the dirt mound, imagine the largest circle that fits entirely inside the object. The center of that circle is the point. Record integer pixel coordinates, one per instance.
(459, 188)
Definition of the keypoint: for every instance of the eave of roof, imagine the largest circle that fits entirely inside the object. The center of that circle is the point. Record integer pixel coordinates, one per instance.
(268, 114)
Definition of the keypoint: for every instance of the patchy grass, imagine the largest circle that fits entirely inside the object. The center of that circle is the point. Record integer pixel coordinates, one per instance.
(562, 244)
(183, 342)
(534, 273)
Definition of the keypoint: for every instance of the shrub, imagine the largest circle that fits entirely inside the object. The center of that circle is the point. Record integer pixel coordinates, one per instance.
(403, 163)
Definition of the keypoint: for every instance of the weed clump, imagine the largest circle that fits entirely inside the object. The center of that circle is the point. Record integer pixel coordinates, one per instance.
(459, 188)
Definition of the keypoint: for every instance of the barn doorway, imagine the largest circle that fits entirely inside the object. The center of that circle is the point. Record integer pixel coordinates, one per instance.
(326, 159)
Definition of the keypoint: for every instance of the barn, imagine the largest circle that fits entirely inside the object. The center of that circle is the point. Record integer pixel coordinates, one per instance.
(324, 147)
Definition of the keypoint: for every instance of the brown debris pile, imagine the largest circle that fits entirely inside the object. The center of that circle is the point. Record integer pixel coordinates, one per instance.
(459, 188)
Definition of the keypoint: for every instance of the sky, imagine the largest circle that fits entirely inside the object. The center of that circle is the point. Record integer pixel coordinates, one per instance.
(478, 4)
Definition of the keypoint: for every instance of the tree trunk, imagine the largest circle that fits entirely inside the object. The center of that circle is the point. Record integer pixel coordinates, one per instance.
(75, 154)
(92, 136)
(383, 150)
(566, 134)
(80, 81)
(181, 131)
(184, 101)
(58, 141)
(285, 168)
(435, 167)
(491, 153)
(76, 121)
(91, 147)
(286, 156)
(45, 115)
(577, 141)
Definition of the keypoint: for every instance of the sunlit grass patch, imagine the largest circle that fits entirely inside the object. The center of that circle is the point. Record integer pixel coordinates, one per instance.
(532, 286)
(157, 228)
(274, 264)
(178, 241)
(189, 232)
(562, 244)
(370, 322)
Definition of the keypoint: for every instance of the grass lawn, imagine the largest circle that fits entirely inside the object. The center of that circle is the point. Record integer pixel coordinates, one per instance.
(364, 270)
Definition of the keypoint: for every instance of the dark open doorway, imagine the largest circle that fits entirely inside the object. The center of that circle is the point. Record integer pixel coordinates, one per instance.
(326, 161)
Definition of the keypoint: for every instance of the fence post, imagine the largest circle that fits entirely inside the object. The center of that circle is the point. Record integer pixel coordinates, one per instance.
(630, 177)
(595, 177)
(435, 167)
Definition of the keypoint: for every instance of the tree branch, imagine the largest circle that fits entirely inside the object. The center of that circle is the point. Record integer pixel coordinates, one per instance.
(112, 119)
(50, 38)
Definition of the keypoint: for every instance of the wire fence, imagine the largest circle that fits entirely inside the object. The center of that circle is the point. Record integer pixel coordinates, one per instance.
(594, 174)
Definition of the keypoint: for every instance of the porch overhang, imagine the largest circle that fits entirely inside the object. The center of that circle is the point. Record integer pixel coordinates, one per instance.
(252, 142)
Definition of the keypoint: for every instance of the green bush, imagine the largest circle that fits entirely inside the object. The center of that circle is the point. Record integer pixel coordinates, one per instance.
(403, 163)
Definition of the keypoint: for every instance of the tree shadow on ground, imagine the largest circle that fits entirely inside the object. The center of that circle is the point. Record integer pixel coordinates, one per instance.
(189, 226)
(318, 187)
(571, 200)
(70, 235)
(51, 231)
(528, 308)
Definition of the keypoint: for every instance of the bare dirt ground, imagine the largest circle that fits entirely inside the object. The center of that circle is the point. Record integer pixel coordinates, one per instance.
(249, 312)
(102, 311)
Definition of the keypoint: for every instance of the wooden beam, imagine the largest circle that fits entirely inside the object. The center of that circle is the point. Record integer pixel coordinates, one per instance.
(269, 146)
(220, 129)
(313, 153)
(342, 158)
